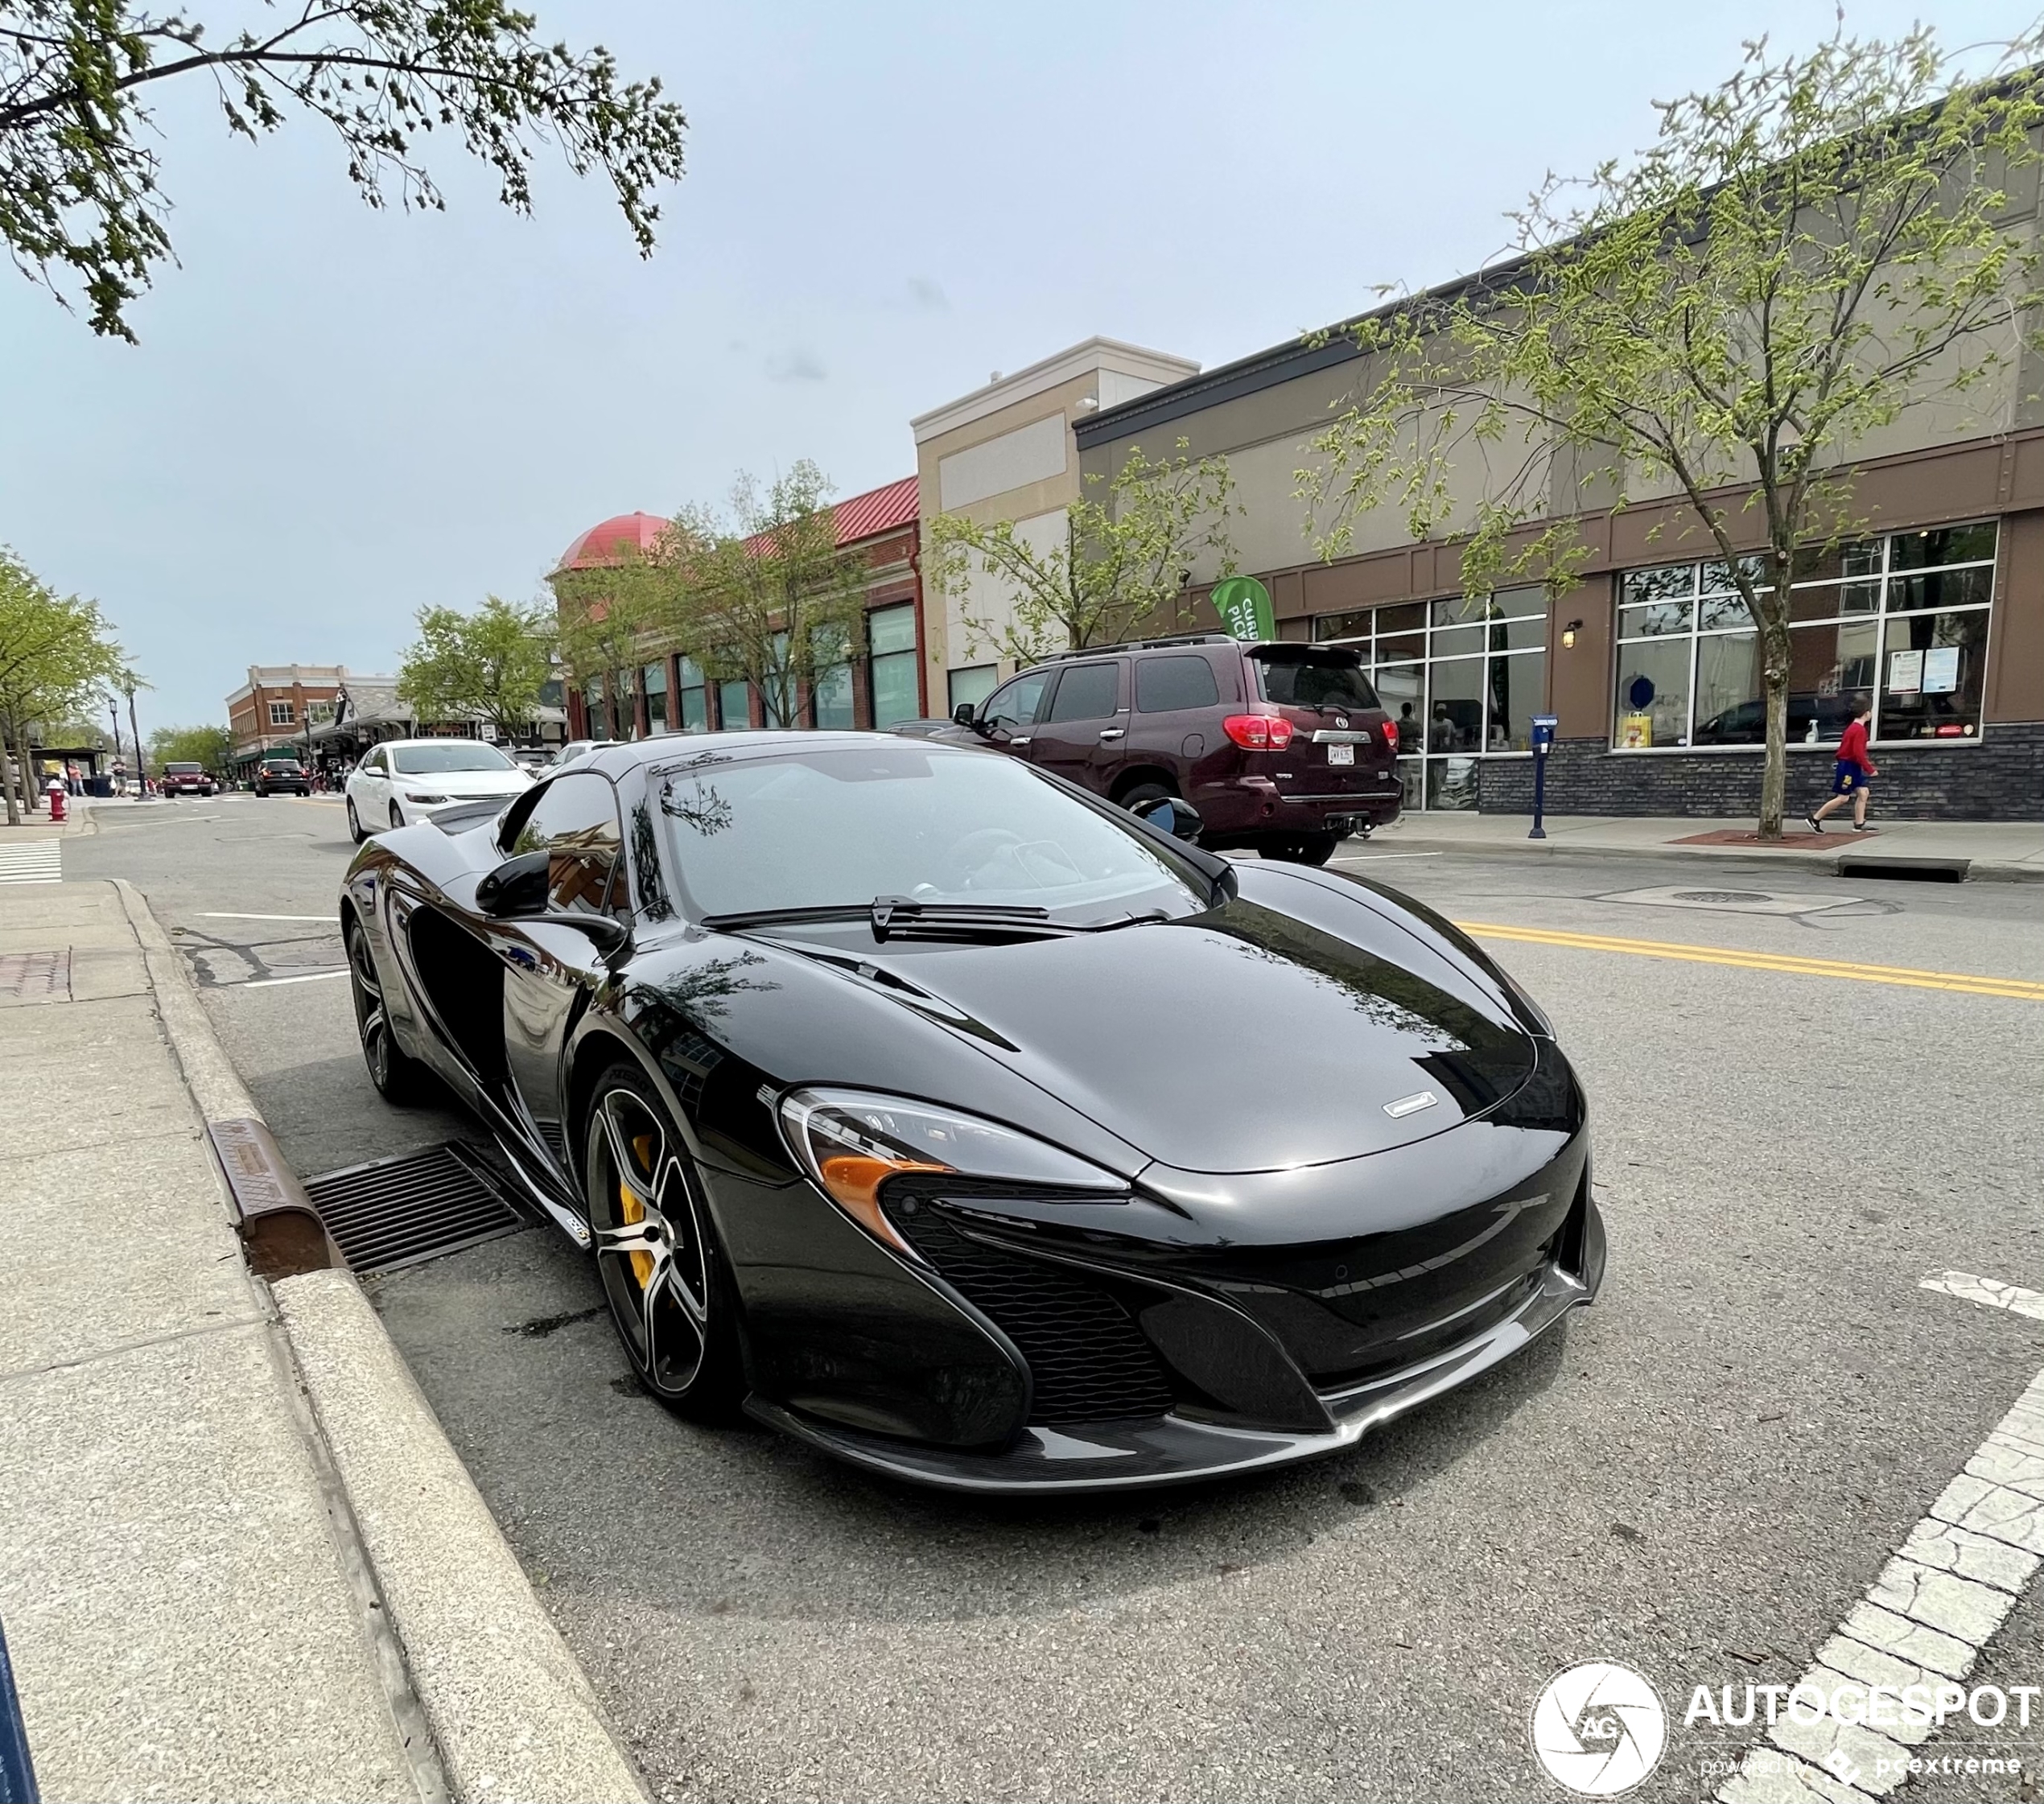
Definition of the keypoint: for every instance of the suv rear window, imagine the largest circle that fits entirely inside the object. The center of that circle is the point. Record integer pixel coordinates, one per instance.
(1313, 677)
(1184, 679)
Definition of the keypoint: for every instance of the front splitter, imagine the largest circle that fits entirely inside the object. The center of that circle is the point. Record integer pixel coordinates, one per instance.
(1175, 1450)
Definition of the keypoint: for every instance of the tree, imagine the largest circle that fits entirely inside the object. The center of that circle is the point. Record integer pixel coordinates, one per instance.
(80, 194)
(490, 664)
(1123, 565)
(605, 617)
(56, 656)
(1806, 253)
(212, 747)
(761, 593)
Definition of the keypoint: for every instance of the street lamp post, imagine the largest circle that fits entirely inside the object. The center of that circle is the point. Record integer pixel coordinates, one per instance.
(134, 732)
(114, 715)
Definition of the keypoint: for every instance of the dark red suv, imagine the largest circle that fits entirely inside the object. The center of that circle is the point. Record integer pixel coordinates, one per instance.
(1282, 748)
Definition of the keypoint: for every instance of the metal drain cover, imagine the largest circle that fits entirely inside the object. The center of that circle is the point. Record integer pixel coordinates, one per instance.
(1732, 901)
(396, 1211)
(1721, 895)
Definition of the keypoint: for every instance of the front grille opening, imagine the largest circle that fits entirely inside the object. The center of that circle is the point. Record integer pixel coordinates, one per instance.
(1088, 1360)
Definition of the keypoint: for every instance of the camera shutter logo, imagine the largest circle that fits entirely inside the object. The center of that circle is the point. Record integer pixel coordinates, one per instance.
(1599, 1728)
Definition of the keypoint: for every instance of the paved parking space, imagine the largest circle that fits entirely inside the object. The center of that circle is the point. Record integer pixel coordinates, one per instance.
(1698, 1476)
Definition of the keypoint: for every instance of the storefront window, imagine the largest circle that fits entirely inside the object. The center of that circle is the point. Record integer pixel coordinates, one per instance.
(594, 712)
(734, 706)
(1461, 678)
(693, 695)
(653, 681)
(1902, 620)
(891, 668)
(973, 684)
(831, 693)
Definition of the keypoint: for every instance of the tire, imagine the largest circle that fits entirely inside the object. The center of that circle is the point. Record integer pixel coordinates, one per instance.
(399, 1078)
(397, 817)
(354, 823)
(663, 1273)
(1303, 848)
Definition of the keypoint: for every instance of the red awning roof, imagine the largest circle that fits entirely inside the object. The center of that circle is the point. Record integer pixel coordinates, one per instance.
(878, 510)
(862, 517)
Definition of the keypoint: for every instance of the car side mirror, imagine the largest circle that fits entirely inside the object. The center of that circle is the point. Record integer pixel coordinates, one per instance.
(962, 715)
(516, 888)
(1175, 815)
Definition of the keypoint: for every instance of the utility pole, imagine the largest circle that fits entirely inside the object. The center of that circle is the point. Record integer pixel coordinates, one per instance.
(134, 732)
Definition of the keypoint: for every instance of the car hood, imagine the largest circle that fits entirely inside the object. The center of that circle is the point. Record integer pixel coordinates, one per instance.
(1249, 1038)
(464, 783)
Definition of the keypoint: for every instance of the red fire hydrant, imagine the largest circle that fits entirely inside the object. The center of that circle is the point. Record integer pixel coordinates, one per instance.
(57, 799)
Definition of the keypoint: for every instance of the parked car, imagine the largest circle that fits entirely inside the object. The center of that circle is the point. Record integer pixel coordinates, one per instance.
(404, 781)
(186, 780)
(575, 750)
(282, 777)
(894, 1087)
(1283, 748)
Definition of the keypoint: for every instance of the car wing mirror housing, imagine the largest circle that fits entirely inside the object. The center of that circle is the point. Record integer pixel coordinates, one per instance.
(1175, 815)
(964, 716)
(516, 888)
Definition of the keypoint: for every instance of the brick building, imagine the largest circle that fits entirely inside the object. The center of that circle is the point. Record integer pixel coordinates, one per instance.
(272, 710)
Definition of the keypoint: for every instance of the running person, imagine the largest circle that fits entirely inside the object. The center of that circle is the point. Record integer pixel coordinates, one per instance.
(1853, 772)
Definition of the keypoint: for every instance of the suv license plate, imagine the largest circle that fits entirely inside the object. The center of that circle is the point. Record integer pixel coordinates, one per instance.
(1341, 755)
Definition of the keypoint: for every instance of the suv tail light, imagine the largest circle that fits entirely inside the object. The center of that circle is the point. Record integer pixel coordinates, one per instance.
(1258, 732)
(1390, 734)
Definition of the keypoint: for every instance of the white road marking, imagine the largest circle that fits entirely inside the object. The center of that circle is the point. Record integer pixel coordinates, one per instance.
(31, 860)
(1991, 1291)
(1925, 1618)
(216, 914)
(1384, 858)
(270, 982)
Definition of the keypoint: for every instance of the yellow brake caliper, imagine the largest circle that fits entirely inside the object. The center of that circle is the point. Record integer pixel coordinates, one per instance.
(634, 1210)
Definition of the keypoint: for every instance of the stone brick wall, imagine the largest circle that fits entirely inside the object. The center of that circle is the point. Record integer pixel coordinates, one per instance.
(1999, 778)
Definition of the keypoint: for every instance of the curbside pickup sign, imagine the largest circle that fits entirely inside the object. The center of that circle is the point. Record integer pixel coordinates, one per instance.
(1244, 606)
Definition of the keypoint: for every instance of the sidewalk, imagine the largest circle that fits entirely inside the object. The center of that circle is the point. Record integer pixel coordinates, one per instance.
(2006, 851)
(216, 1494)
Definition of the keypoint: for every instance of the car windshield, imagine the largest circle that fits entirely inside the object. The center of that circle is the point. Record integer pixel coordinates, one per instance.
(1313, 679)
(844, 825)
(456, 755)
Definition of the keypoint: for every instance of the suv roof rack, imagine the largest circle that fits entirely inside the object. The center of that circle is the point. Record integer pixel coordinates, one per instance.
(1143, 645)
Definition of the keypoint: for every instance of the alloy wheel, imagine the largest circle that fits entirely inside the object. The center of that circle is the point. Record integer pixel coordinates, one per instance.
(354, 823)
(372, 1022)
(651, 1251)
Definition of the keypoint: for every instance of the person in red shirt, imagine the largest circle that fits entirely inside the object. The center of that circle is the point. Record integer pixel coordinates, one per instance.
(1853, 773)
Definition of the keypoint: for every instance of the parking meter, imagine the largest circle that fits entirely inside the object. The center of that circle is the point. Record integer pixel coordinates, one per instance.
(1543, 727)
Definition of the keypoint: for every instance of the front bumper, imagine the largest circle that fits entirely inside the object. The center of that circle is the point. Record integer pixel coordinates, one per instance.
(1173, 1449)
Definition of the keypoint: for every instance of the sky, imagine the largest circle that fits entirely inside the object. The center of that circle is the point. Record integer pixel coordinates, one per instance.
(336, 416)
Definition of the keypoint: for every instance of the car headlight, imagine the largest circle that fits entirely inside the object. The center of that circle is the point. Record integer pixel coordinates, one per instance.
(420, 795)
(852, 1142)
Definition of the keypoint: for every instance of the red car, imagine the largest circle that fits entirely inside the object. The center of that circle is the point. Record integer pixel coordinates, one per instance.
(1282, 748)
(186, 780)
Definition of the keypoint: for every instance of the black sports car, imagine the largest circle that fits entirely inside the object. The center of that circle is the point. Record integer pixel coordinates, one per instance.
(972, 1128)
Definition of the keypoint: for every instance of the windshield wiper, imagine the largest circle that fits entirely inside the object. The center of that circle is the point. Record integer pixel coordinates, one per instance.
(902, 917)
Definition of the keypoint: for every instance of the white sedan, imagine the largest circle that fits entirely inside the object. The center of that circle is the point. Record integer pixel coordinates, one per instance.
(402, 781)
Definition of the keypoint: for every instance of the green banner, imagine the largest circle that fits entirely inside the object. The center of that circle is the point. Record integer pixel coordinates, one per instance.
(1244, 606)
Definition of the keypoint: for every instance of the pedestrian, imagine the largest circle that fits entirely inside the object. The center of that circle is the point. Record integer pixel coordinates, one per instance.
(1853, 773)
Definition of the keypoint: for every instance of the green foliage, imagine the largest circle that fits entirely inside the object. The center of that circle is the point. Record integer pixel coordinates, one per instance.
(56, 657)
(490, 664)
(1121, 569)
(212, 747)
(79, 168)
(1808, 252)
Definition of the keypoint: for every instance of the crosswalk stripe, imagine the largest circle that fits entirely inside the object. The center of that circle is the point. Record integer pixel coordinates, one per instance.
(33, 861)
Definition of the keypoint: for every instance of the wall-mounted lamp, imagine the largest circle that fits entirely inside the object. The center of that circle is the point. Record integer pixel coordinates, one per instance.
(1568, 635)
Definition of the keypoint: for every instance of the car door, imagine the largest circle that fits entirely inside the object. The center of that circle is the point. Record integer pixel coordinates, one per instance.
(1007, 718)
(552, 971)
(1080, 735)
(1176, 719)
(372, 789)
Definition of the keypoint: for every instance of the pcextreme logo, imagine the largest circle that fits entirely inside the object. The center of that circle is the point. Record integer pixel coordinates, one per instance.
(1599, 1728)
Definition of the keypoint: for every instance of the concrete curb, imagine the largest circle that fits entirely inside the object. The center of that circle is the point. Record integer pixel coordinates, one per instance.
(512, 1714)
(1979, 871)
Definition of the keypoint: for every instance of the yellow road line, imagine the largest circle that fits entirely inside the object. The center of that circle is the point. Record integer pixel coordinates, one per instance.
(1902, 975)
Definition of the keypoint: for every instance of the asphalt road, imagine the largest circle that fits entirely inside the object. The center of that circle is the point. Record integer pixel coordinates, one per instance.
(1698, 1476)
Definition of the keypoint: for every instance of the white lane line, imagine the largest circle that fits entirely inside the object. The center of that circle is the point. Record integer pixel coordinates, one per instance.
(1991, 1291)
(1923, 1621)
(270, 982)
(217, 914)
(1384, 858)
(31, 860)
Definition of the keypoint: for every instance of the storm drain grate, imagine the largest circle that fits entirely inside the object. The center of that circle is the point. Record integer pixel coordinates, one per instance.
(396, 1212)
(1722, 895)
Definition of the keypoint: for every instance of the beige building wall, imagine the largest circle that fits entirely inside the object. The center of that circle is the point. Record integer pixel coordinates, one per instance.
(1006, 452)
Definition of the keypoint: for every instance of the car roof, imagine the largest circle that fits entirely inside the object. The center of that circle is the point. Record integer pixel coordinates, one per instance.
(632, 754)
